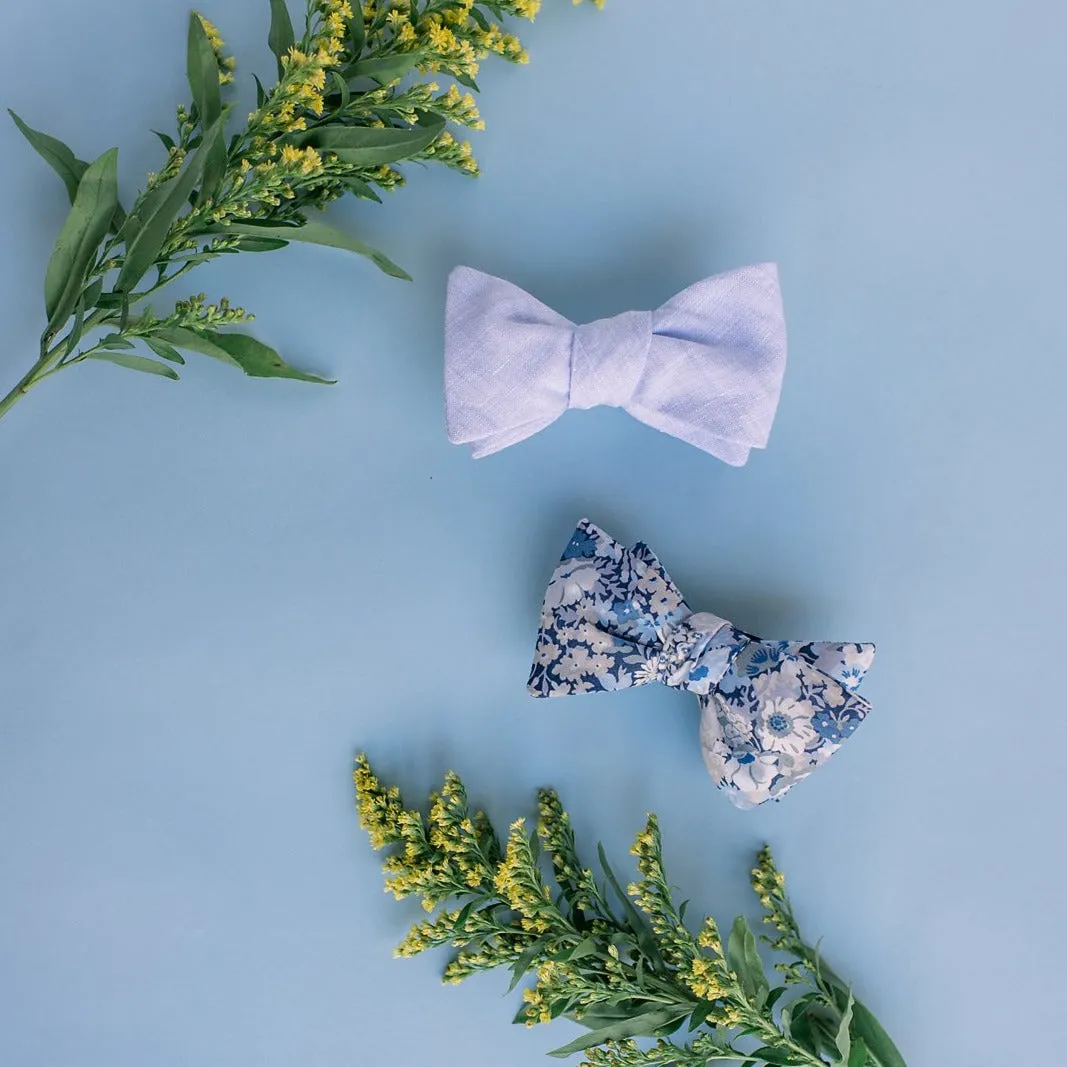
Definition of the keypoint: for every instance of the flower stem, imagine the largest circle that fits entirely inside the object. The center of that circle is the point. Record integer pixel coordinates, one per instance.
(28, 381)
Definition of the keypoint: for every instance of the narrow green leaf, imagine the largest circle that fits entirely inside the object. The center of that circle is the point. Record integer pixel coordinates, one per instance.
(483, 22)
(744, 960)
(524, 963)
(56, 154)
(262, 244)
(642, 931)
(259, 360)
(164, 350)
(195, 341)
(842, 1039)
(879, 1044)
(202, 70)
(858, 1056)
(361, 188)
(770, 1054)
(166, 140)
(114, 340)
(203, 73)
(468, 81)
(150, 223)
(342, 89)
(318, 233)
(76, 329)
(647, 1024)
(774, 996)
(281, 37)
(383, 69)
(357, 33)
(371, 146)
(84, 229)
(134, 362)
(261, 93)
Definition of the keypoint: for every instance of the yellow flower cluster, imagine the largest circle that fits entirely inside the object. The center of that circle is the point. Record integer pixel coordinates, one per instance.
(768, 883)
(227, 64)
(704, 979)
(519, 882)
(379, 809)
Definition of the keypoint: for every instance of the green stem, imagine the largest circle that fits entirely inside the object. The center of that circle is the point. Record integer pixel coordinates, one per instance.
(28, 381)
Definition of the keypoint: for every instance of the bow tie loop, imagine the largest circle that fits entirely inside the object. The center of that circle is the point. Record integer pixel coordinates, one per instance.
(608, 360)
(771, 711)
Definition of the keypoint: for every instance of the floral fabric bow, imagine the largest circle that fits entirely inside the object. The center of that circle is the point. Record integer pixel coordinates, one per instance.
(771, 711)
(706, 367)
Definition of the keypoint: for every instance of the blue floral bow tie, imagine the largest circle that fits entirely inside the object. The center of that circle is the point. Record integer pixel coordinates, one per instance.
(706, 367)
(771, 711)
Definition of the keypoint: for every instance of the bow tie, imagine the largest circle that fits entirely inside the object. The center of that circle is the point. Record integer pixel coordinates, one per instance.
(706, 367)
(771, 711)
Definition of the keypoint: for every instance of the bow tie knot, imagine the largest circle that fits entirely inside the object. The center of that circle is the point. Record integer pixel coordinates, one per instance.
(697, 652)
(608, 359)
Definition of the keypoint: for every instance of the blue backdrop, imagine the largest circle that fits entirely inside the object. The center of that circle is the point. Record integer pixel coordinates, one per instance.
(215, 592)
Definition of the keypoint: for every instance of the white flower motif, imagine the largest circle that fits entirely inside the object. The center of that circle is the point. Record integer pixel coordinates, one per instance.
(575, 664)
(785, 726)
(571, 582)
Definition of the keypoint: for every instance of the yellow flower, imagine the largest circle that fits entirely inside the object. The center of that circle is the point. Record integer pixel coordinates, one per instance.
(213, 37)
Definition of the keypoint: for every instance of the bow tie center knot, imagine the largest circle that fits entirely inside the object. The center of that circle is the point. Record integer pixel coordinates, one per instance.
(608, 359)
(698, 651)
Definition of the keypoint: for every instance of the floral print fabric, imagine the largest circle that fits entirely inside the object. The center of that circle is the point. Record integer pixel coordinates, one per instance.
(771, 711)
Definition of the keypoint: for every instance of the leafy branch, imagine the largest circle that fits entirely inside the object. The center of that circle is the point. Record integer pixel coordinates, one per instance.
(621, 962)
(351, 103)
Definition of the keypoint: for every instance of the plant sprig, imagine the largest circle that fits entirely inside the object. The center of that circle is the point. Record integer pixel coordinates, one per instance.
(352, 101)
(621, 962)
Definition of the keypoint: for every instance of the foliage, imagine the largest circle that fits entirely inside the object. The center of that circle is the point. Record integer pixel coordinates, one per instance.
(351, 102)
(621, 962)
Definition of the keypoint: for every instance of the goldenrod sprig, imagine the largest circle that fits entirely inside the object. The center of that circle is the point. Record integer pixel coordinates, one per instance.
(352, 103)
(630, 970)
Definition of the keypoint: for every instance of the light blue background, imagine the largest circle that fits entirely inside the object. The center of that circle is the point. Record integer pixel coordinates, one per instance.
(214, 593)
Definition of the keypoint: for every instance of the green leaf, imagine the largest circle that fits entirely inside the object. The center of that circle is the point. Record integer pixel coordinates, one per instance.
(194, 341)
(879, 1044)
(281, 37)
(647, 1024)
(357, 33)
(262, 244)
(114, 340)
(56, 154)
(371, 146)
(858, 1056)
(202, 70)
(134, 362)
(318, 233)
(163, 350)
(203, 73)
(745, 962)
(84, 229)
(261, 93)
(361, 188)
(259, 360)
(770, 1054)
(166, 140)
(468, 81)
(150, 221)
(843, 1040)
(642, 931)
(524, 963)
(383, 69)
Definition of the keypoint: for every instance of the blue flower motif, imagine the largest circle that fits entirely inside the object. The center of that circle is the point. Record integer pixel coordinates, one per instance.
(834, 727)
(624, 610)
(765, 657)
(698, 673)
(581, 546)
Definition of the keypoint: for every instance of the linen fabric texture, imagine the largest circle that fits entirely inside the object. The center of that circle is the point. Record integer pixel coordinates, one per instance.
(771, 711)
(706, 367)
